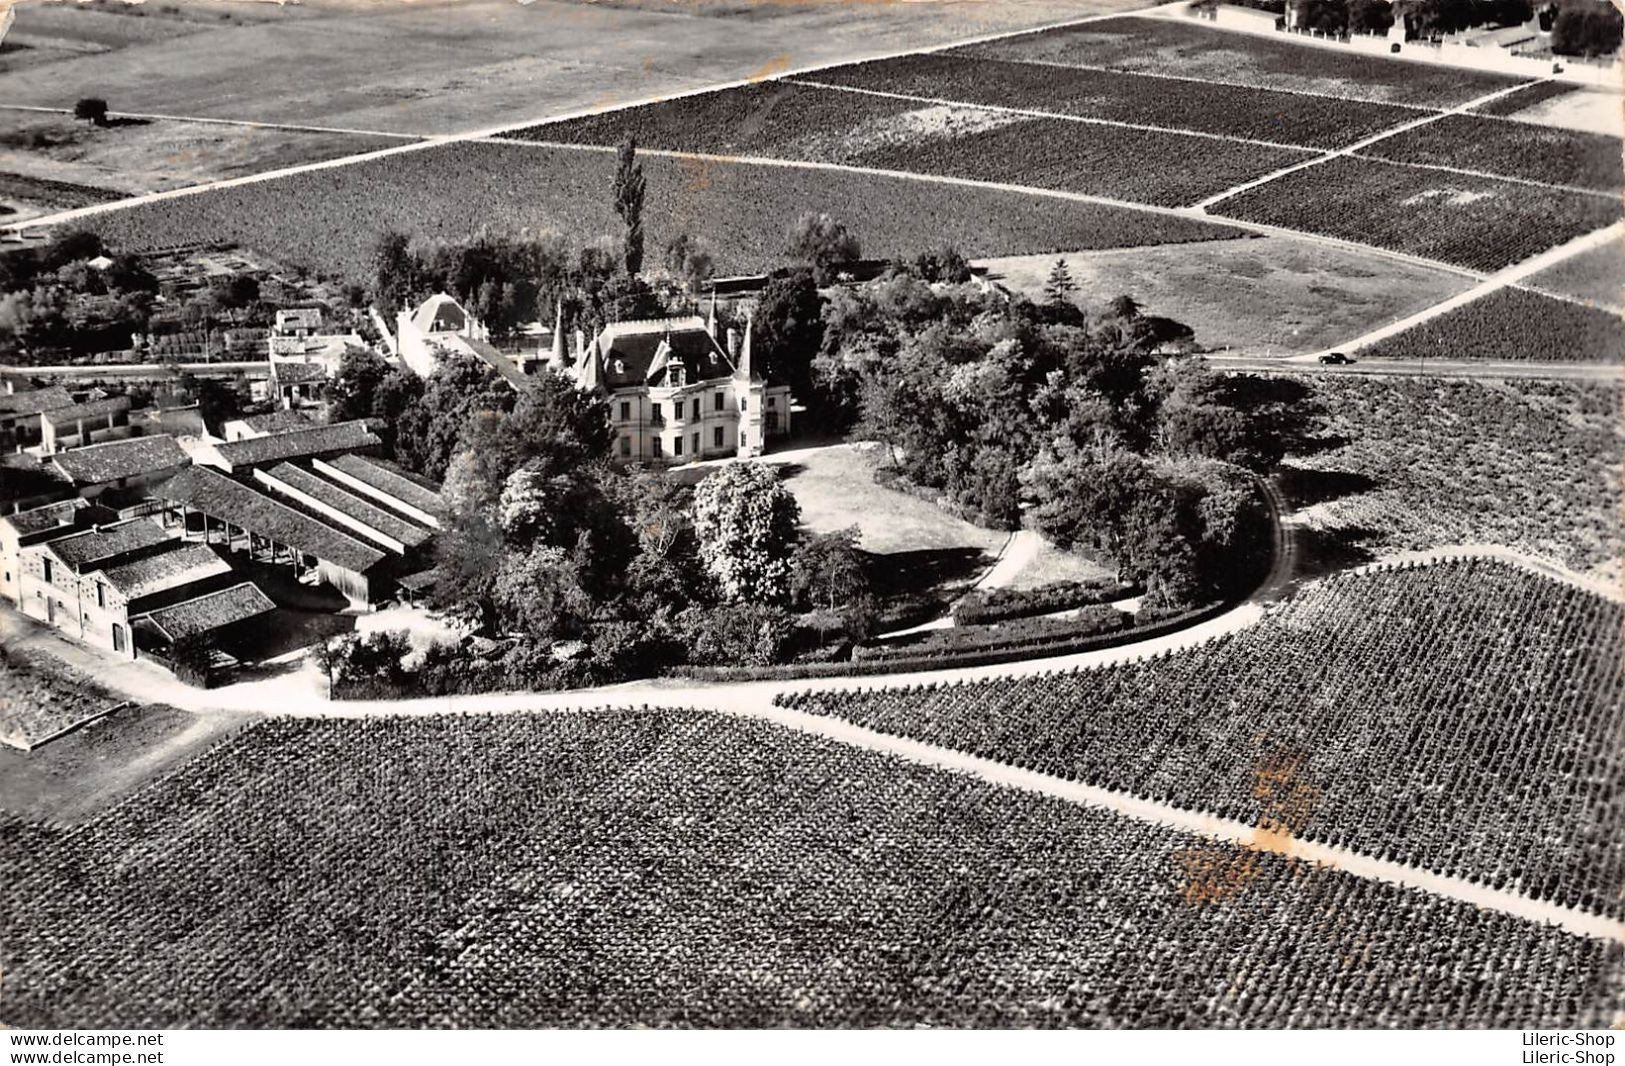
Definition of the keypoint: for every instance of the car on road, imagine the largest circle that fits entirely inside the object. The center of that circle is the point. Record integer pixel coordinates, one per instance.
(1336, 359)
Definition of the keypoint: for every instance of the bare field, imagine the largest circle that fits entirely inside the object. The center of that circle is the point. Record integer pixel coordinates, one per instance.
(446, 68)
(1262, 296)
(144, 156)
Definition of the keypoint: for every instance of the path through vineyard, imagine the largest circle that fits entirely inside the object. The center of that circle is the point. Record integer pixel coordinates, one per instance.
(300, 694)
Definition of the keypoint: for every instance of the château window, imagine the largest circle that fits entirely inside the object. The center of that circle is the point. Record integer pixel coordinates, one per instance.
(772, 401)
(655, 447)
(696, 444)
(626, 411)
(677, 408)
(742, 403)
(716, 437)
(717, 404)
(626, 447)
(677, 446)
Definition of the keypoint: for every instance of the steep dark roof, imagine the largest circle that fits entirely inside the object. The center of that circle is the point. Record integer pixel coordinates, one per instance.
(629, 351)
(191, 617)
(84, 551)
(61, 514)
(97, 463)
(211, 491)
(297, 444)
(67, 416)
(182, 565)
(346, 503)
(390, 481)
(34, 402)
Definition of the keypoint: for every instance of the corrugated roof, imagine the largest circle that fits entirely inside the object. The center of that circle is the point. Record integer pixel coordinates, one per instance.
(84, 551)
(205, 613)
(183, 565)
(97, 463)
(211, 491)
(297, 444)
(50, 516)
(350, 505)
(67, 416)
(35, 401)
(386, 479)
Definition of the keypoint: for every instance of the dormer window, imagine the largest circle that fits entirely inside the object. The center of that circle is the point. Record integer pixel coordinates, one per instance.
(620, 366)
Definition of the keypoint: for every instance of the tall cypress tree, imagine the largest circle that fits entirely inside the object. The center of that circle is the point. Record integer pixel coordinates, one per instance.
(629, 189)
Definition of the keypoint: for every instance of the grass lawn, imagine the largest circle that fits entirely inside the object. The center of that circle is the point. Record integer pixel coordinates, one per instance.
(1261, 296)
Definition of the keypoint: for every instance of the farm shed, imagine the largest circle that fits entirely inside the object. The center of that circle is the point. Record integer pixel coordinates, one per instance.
(112, 597)
(241, 518)
(132, 463)
(50, 578)
(91, 422)
(33, 526)
(20, 414)
(265, 425)
(219, 615)
(238, 456)
(417, 498)
(344, 508)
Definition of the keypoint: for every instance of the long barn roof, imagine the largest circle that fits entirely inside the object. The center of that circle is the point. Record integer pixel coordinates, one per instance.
(211, 491)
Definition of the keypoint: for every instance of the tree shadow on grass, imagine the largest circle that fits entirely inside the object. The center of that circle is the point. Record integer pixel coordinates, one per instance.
(1305, 488)
(1329, 551)
(917, 586)
(786, 471)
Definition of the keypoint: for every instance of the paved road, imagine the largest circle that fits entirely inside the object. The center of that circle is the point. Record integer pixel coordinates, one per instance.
(253, 368)
(1433, 368)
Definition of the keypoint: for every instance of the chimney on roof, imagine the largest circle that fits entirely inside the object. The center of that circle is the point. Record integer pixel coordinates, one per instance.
(733, 344)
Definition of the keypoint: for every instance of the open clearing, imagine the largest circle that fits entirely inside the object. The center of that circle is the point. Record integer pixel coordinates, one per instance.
(329, 220)
(137, 156)
(1261, 296)
(442, 69)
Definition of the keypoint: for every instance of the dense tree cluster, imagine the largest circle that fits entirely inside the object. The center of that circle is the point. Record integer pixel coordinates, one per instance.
(1095, 425)
(1586, 28)
(574, 570)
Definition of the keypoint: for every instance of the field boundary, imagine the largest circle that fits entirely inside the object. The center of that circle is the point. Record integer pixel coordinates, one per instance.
(1188, 213)
(1354, 149)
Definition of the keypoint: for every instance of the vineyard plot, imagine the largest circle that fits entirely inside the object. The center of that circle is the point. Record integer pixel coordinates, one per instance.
(1466, 718)
(1510, 149)
(679, 868)
(1226, 110)
(1186, 49)
(1420, 463)
(330, 220)
(1479, 223)
(1512, 325)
